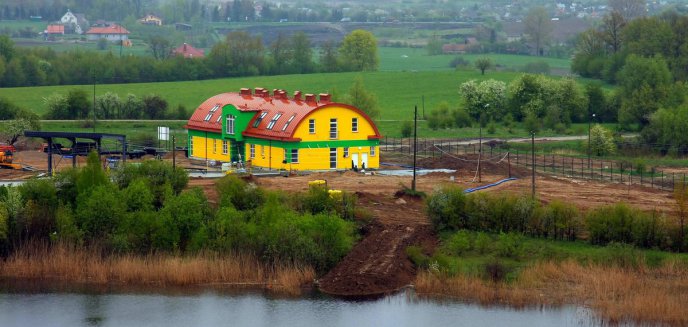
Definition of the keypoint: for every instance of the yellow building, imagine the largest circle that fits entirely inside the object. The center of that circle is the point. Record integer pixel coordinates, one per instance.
(277, 132)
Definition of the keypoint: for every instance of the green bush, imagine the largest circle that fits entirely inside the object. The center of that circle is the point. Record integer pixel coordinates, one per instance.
(446, 208)
(459, 243)
(138, 196)
(99, 212)
(561, 220)
(623, 224)
(66, 230)
(37, 218)
(184, 215)
(483, 243)
(235, 192)
(416, 255)
(159, 175)
(406, 129)
(509, 245)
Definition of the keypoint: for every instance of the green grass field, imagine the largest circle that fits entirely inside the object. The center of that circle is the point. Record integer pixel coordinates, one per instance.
(397, 92)
(417, 59)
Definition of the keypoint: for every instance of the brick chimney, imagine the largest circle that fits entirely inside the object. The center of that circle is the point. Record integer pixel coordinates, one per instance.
(245, 91)
(259, 91)
(325, 98)
(311, 98)
(297, 95)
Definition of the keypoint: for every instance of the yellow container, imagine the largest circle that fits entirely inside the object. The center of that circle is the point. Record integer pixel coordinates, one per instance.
(317, 182)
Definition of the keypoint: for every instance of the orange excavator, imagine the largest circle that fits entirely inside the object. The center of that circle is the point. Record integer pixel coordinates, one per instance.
(6, 156)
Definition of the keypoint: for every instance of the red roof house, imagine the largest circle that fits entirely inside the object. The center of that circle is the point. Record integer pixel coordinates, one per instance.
(188, 51)
(112, 32)
(54, 29)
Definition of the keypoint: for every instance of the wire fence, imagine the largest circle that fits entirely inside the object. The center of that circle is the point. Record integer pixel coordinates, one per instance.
(581, 167)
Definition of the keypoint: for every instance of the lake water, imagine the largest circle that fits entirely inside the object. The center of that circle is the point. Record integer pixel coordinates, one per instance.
(213, 308)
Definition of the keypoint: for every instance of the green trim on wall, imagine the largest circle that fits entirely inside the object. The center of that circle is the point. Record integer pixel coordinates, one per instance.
(210, 135)
(240, 122)
(313, 144)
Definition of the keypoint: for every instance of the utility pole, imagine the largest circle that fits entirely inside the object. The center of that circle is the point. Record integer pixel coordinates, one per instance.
(480, 154)
(415, 144)
(94, 101)
(589, 148)
(423, 99)
(174, 153)
(532, 149)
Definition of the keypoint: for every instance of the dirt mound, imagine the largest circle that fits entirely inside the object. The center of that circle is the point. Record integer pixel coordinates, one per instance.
(378, 264)
(406, 210)
(468, 163)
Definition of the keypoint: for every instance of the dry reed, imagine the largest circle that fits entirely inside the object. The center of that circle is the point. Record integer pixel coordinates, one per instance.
(653, 296)
(81, 265)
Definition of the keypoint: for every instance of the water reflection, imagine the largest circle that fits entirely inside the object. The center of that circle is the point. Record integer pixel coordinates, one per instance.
(213, 308)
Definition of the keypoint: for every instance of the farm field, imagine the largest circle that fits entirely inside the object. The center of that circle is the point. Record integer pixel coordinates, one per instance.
(397, 92)
(417, 59)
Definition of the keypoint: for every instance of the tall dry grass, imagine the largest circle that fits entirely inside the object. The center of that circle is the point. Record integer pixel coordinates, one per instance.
(65, 263)
(652, 296)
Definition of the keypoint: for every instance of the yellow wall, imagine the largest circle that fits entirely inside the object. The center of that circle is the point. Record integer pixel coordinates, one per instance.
(262, 159)
(322, 125)
(312, 158)
(214, 149)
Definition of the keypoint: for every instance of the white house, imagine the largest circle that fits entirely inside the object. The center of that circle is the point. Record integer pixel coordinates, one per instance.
(112, 32)
(74, 23)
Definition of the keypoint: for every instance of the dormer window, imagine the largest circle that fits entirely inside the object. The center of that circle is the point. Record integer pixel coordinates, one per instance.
(288, 122)
(274, 119)
(211, 112)
(260, 119)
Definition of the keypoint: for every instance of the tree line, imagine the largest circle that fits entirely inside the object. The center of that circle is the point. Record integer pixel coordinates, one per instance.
(646, 57)
(240, 54)
(538, 101)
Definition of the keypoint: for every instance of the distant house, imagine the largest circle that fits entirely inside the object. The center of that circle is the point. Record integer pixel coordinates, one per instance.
(188, 51)
(454, 48)
(151, 19)
(55, 29)
(182, 27)
(74, 23)
(111, 32)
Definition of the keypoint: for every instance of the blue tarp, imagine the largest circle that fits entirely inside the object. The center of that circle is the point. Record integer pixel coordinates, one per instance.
(471, 190)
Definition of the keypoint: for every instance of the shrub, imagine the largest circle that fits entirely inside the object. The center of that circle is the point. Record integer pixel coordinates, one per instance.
(416, 255)
(483, 243)
(100, 211)
(622, 224)
(235, 192)
(459, 62)
(561, 220)
(537, 67)
(406, 129)
(159, 175)
(37, 218)
(66, 230)
(459, 243)
(138, 196)
(509, 245)
(184, 215)
(446, 208)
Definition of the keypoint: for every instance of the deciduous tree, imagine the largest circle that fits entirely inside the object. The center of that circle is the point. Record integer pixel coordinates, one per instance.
(538, 27)
(359, 51)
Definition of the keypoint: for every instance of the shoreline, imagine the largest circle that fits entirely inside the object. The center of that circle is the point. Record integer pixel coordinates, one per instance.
(615, 295)
(63, 264)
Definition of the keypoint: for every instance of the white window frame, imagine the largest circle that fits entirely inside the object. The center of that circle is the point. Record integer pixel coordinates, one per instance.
(214, 146)
(311, 126)
(252, 150)
(273, 121)
(354, 125)
(294, 155)
(191, 146)
(288, 122)
(346, 152)
(225, 147)
(372, 151)
(260, 119)
(230, 124)
(334, 132)
(211, 112)
(262, 151)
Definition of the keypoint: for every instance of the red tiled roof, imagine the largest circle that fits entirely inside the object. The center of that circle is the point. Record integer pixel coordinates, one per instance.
(55, 29)
(298, 108)
(188, 51)
(112, 29)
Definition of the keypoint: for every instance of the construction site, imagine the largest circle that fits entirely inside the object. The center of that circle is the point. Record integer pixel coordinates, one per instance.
(378, 264)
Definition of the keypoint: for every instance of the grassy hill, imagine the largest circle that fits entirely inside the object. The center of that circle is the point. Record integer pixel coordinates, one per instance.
(397, 92)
